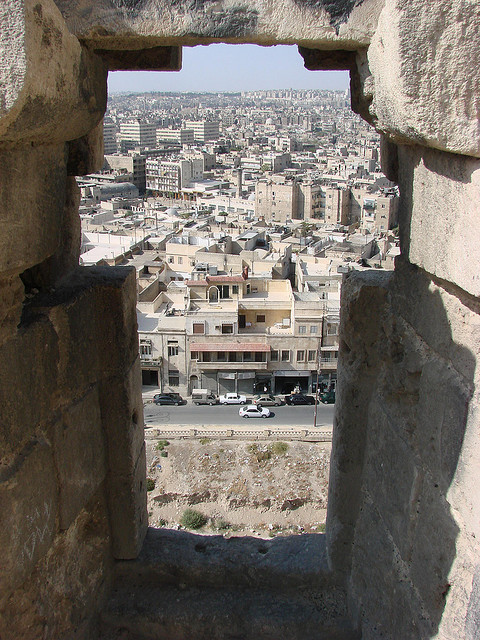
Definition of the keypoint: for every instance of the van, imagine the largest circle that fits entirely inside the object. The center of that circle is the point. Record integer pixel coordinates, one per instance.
(204, 396)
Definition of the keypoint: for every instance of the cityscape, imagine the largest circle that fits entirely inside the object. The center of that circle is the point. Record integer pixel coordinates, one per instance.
(240, 213)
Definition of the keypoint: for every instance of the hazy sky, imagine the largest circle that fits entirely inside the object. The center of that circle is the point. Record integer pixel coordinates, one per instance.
(221, 67)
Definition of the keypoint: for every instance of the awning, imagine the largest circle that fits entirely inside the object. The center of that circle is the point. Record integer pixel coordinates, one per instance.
(229, 346)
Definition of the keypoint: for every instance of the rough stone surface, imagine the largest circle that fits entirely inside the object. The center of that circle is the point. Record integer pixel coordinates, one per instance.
(27, 391)
(122, 419)
(413, 508)
(28, 503)
(360, 353)
(69, 586)
(415, 58)
(85, 155)
(440, 198)
(118, 24)
(31, 217)
(79, 456)
(52, 89)
(127, 495)
(11, 296)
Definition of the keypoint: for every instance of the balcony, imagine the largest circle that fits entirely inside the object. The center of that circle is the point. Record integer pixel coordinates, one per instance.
(328, 364)
(275, 330)
(148, 361)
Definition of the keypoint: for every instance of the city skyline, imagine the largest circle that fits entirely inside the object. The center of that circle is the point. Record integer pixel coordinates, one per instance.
(221, 67)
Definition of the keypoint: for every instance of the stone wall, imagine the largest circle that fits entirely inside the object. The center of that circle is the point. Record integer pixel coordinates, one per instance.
(72, 457)
(403, 511)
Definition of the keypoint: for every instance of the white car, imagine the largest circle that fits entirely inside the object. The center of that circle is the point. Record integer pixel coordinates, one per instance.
(232, 398)
(253, 411)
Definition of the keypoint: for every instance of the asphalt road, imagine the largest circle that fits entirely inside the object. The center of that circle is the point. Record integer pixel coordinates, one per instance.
(193, 415)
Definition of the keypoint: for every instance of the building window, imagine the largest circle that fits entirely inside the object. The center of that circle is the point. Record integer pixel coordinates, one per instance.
(260, 318)
(224, 290)
(227, 328)
(247, 356)
(285, 355)
(198, 327)
(235, 288)
(194, 355)
(206, 356)
(145, 348)
(180, 260)
(170, 260)
(274, 355)
(221, 356)
(173, 378)
(173, 350)
(301, 355)
(259, 356)
(312, 355)
(313, 328)
(302, 328)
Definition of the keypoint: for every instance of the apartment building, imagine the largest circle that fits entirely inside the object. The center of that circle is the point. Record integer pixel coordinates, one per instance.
(133, 163)
(170, 177)
(236, 333)
(137, 133)
(203, 130)
(375, 212)
(109, 137)
(175, 136)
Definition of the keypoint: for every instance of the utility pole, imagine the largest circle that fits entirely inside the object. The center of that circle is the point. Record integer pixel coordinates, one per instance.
(319, 360)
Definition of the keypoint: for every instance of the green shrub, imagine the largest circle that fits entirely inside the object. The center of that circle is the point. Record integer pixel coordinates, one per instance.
(279, 448)
(192, 519)
(161, 444)
(164, 454)
(205, 440)
(162, 522)
(150, 484)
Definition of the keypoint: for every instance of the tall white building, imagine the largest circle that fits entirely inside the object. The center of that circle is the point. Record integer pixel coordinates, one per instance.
(203, 130)
(137, 133)
(170, 177)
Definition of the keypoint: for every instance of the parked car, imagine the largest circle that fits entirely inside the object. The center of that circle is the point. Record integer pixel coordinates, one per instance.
(254, 411)
(163, 398)
(232, 398)
(172, 394)
(299, 398)
(267, 400)
(203, 396)
(328, 397)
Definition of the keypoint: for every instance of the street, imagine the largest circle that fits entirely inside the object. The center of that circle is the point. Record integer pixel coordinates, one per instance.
(193, 415)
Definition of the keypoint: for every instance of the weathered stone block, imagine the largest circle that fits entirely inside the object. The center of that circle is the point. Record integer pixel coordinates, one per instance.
(28, 504)
(28, 384)
(361, 354)
(127, 499)
(11, 298)
(52, 88)
(414, 60)
(85, 155)
(392, 479)
(33, 235)
(154, 21)
(122, 419)
(79, 456)
(68, 587)
(434, 548)
(388, 606)
(440, 197)
(93, 314)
